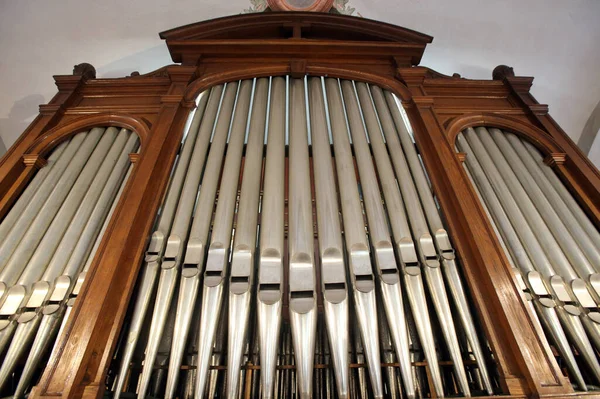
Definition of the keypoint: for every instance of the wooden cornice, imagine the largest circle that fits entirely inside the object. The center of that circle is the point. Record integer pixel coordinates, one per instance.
(277, 25)
(299, 35)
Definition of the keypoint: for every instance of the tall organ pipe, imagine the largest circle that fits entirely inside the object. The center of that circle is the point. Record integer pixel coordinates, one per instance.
(302, 283)
(422, 211)
(331, 251)
(241, 281)
(357, 245)
(341, 122)
(155, 251)
(270, 266)
(174, 250)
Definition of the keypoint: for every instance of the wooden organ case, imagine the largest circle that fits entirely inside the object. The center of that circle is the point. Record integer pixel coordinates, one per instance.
(307, 81)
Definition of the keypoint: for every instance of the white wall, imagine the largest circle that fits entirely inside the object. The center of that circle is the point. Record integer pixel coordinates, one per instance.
(554, 40)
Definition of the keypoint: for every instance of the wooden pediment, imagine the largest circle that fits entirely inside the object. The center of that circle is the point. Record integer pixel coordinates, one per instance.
(299, 34)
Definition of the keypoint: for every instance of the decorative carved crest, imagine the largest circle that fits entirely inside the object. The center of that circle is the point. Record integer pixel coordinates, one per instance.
(332, 6)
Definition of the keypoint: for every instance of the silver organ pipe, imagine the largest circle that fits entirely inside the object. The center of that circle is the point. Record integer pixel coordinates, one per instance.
(49, 239)
(550, 240)
(306, 257)
(362, 276)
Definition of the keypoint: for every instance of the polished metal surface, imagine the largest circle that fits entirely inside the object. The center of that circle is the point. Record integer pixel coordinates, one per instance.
(68, 204)
(531, 218)
(302, 274)
(302, 259)
(241, 281)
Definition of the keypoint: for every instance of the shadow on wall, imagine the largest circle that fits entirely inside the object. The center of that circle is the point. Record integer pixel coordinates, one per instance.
(143, 61)
(590, 131)
(19, 117)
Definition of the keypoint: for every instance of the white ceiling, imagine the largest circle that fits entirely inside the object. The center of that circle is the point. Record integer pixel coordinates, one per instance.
(557, 41)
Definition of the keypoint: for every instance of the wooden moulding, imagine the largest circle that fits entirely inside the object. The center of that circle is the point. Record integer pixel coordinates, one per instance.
(223, 50)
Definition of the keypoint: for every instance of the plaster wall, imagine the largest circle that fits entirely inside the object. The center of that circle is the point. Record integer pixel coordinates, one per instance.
(554, 40)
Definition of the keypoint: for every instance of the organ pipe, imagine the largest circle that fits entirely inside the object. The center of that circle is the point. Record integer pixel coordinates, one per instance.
(553, 251)
(338, 207)
(52, 234)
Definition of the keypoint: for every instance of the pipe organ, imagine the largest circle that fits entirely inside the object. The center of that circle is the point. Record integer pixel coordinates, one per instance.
(297, 209)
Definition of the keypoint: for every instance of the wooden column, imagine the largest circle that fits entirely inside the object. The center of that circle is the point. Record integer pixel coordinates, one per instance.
(526, 363)
(84, 352)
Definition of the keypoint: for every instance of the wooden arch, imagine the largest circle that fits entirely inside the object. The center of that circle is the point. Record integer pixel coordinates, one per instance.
(545, 143)
(54, 136)
(207, 81)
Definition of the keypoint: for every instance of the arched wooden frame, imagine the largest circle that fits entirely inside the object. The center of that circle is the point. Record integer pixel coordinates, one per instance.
(247, 46)
(536, 136)
(34, 158)
(206, 82)
(54, 136)
(555, 155)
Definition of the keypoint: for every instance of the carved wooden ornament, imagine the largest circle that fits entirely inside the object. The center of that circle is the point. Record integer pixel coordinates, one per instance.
(301, 5)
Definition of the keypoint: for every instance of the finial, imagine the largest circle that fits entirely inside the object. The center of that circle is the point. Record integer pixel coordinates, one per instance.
(87, 71)
(502, 72)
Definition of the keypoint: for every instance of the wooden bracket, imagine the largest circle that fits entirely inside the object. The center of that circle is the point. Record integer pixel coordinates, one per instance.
(298, 68)
(34, 160)
(556, 158)
(461, 156)
(49, 109)
(134, 157)
(539, 109)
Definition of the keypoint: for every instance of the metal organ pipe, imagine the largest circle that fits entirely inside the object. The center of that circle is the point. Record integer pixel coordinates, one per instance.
(300, 199)
(359, 253)
(331, 249)
(241, 281)
(153, 258)
(51, 234)
(550, 242)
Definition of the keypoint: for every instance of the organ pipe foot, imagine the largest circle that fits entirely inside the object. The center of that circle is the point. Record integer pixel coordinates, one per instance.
(269, 307)
(593, 330)
(7, 328)
(303, 319)
(209, 318)
(150, 272)
(239, 309)
(164, 294)
(27, 325)
(366, 313)
(49, 326)
(336, 317)
(188, 292)
(435, 281)
(550, 320)
(392, 300)
(458, 294)
(418, 303)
